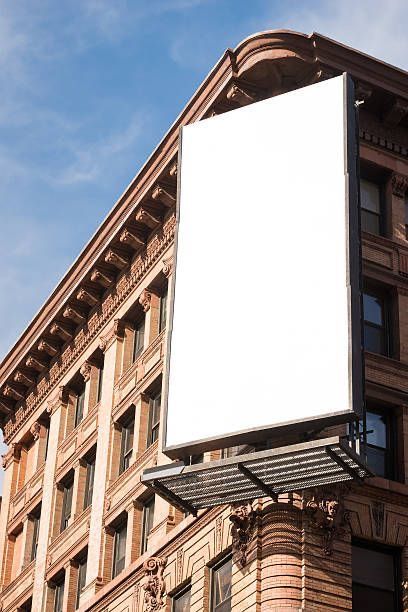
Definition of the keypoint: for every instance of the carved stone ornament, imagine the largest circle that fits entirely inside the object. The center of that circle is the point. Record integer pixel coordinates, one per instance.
(399, 185)
(154, 586)
(218, 534)
(243, 519)
(61, 397)
(116, 331)
(167, 267)
(145, 299)
(35, 430)
(378, 515)
(13, 452)
(107, 504)
(327, 514)
(85, 371)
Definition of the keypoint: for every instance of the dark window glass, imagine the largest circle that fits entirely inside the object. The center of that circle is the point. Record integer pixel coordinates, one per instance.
(138, 339)
(370, 207)
(378, 442)
(181, 601)
(119, 550)
(47, 437)
(126, 448)
(221, 587)
(59, 596)
(89, 485)
(36, 530)
(147, 524)
(163, 311)
(81, 579)
(375, 579)
(154, 419)
(66, 505)
(79, 408)
(100, 382)
(375, 328)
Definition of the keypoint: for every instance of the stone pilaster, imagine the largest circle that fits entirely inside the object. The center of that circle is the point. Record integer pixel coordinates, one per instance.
(11, 469)
(70, 586)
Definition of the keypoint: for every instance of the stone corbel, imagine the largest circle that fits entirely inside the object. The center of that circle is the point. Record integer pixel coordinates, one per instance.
(145, 299)
(48, 348)
(243, 519)
(167, 267)
(85, 370)
(146, 218)
(116, 331)
(102, 278)
(160, 194)
(14, 452)
(60, 398)
(327, 515)
(363, 91)
(173, 169)
(115, 259)
(12, 393)
(87, 297)
(35, 430)
(131, 239)
(154, 585)
(399, 184)
(396, 112)
(23, 378)
(73, 315)
(34, 363)
(62, 332)
(237, 94)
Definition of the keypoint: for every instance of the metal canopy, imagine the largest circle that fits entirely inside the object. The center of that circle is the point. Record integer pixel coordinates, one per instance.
(259, 474)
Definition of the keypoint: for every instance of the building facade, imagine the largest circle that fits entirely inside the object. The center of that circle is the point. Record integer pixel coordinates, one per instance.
(81, 410)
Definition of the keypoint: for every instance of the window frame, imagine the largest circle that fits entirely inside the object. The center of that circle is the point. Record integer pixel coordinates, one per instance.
(391, 468)
(154, 426)
(68, 489)
(119, 531)
(179, 594)
(100, 383)
(380, 215)
(147, 517)
(127, 433)
(163, 309)
(36, 518)
(81, 577)
(89, 481)
(138, 338)
(385, 328)
(59, 595)
(213, 569)
(79, 408)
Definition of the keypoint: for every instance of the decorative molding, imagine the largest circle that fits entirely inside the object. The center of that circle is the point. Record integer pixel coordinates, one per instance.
(160, 194)
(115, 259)
(59, 399)
(102, 278)
(147, 218)
(363, 91)
(35, 430)
(173, 169)
(168, 267)
(12, 393)
(23, 379)
(243, 519)
(399, 185)
(85, 371)
(396, 112)
(111, 303)
(218, 534)
(74, 315)
(377, 509)
(179, 565)
(237, 94)
(87, 296)
(116, 331)
(145, 299)
(62, 332)
(14, 452)
(131, 239)
(46, 347)
(327, 514)
(35, 364)
(154, 586)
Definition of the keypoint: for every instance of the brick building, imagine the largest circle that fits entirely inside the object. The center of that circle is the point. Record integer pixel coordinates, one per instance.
(80, 399)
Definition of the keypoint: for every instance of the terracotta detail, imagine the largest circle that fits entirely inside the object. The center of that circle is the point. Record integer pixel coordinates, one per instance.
(102, 278)
(9, 391)
(399, 185)
(107, 504)
(23, 379)
(378, 516)
(48, 348)
(74, 315)
(130, 238)
(160, 194)
(243, 519)
(116, 331)
(327, 514)
(86, 296)
(85, 371)
(396, 112)
(57, 329)
(119, 261)
(179, 565)
(154, 585)
(237, 94)
(168, 267)
(218, 534)
(35, 430)
(173, 169)
(14, 452)
(147, 218)
(145, 299)
(35, 364)
(60, 398)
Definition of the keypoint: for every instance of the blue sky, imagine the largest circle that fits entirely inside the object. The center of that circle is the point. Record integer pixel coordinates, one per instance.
(89, 87)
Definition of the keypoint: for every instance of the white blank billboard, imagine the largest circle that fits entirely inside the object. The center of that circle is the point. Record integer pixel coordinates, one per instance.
(262, 328)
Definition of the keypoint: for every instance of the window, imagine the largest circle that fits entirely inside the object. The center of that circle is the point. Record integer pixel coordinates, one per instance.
(119, 549)
(59, 596)
(126, 448)
(35, 517)
(89, 484)
(406, 218)
(163, 311)
(79, 408)
(221, 587)
(81, 579)
(138, 339)
(375, 324)
(66, 504)
(154, 419)
(147, 524)
(181, 601)
(379, 436)
(375, 578)
(370, 194)
(47, 438)
(100, 382)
